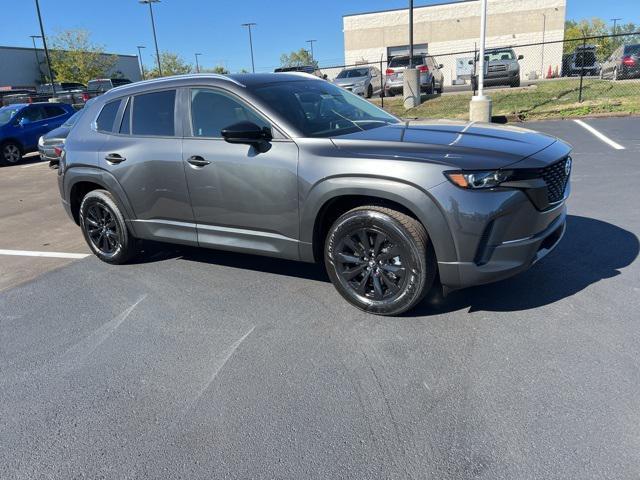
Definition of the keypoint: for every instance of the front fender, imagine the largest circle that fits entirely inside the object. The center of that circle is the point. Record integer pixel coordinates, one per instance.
(414, 199)
(74, 175)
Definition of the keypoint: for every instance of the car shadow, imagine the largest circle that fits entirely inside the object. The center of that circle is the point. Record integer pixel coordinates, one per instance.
(591, 250)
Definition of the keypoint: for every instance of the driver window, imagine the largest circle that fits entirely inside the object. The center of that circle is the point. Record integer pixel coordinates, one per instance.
(33, 114)
(212, 111)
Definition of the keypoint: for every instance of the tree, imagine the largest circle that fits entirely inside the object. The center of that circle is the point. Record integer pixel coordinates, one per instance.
(172, 64)
(74, 58)
(217, 69)
(597, 27)
(300, 58)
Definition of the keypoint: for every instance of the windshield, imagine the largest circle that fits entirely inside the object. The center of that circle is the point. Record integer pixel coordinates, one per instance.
(354, 73)
(7, 113)
(497, 55)
(320, 109)
(632, 50)
(404, 61)
(71, 121)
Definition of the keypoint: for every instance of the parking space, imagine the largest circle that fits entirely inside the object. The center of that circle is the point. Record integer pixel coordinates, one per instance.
(205, 364)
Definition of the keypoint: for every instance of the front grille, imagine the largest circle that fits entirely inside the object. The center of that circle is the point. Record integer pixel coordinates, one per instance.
(497, 68)
(556, 178)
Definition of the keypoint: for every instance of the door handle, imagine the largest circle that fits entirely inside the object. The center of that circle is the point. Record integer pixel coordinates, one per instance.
(198, 161)
(114, 158)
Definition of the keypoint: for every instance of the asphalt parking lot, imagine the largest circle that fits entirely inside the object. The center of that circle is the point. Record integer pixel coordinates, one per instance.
(205, 364)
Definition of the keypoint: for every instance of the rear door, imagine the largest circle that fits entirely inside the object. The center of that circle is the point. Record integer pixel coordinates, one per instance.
(144, 153)
(55, 116)
(34, 125)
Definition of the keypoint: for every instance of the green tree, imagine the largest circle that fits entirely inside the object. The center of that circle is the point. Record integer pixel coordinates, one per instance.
(172, 64)
(74, 58)
(298, 59)
(217, 69)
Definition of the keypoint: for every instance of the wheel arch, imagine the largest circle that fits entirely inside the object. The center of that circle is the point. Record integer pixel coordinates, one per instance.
(332, 197)
(14, 140)
(78, 181)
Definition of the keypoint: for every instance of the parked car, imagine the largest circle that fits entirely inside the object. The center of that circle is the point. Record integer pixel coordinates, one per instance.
(581, 62)
(364, 80)
(71, 93)
(623, 63)
(303, 69)
(502, 68)
(431, 78)
(21, 125)
(9, 93)
(50, 144)
(304, 170)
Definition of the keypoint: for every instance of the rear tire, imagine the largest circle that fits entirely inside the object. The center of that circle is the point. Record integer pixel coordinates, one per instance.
(370, 91)
(104, 228)
(380, 260)
(10, 153)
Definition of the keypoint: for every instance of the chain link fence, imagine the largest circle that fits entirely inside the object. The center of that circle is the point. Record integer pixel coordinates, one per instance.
(560, 78)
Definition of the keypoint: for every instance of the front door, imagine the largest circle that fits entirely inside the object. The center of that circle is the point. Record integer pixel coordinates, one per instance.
(243, 199)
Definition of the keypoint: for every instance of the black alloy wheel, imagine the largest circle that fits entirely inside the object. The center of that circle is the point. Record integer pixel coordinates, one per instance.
(379, 259)
(102, 229)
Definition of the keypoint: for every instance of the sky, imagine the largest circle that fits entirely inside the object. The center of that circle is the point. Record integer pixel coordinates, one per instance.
(212, 27)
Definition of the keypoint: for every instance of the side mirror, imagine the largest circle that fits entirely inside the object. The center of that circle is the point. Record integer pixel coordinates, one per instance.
(440, 66)
(520, 57)
(247, 133)
(471, 62)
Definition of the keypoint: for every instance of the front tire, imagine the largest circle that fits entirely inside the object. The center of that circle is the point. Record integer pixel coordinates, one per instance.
(370, 91)
(10, 153)
(380, 260)
(104, 228)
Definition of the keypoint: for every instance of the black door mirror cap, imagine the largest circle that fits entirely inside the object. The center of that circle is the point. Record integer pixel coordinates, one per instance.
(246, 132)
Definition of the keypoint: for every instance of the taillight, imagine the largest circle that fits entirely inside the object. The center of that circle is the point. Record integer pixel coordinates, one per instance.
(628, 61)
(389, 71)
(85, 97)
(423, 68)
(29, 100)
(57, 151)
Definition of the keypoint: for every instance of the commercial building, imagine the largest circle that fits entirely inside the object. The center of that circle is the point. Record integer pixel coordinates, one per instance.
(448, 30)
(27, 66)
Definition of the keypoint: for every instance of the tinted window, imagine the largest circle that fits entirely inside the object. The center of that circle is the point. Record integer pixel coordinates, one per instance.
(153, 113)
(33, 114)
(404, 61)
(99, 85)
(212, 111)
(53, 111)
(353, 73)
(125, 126)
(116, 82)
(107, 116)
(320, 109)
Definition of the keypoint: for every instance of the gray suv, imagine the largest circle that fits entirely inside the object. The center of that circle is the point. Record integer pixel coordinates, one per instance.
(431, 78)
(502, 68)
(290, 166)
(364, 80)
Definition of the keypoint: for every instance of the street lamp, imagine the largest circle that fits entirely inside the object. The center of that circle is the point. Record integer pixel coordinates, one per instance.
(310, 42)
(197, 64)
(249, 25)
(153, 27)
(46, 50)
(615, 23)
(140, 47)
(35, 52)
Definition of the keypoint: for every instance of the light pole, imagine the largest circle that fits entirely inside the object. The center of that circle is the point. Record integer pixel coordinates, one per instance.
(615, 23)
(140, 47)
(46, 50)
(35, 52)
(249, 25)
(411, 34)
(197, 64)
(544, 28)
(480, 108)
(310, 42)
(153, 27)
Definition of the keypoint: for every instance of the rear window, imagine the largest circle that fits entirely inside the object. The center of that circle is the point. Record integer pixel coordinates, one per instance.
(404, 61)
(632, 50)
(153, 113)
(54, 111)
(116, 82)
(99, 85)
(107, 116)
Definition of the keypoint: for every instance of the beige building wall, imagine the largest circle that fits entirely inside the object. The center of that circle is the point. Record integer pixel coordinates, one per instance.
(455, 27)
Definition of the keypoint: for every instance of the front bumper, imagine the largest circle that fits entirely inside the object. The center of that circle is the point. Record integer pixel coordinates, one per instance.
(357, 89)
(497, 234)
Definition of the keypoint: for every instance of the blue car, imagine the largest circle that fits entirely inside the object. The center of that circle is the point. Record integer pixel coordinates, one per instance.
(22, 124)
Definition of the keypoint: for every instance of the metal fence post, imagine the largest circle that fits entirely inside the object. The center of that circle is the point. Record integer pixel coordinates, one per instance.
(381, 84)
(584, 44)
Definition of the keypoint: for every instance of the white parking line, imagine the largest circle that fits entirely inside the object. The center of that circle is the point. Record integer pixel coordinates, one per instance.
(35, 164)
(27, 253)
(599, 135)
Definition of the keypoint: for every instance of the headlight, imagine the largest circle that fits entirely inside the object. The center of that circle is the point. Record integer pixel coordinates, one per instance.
(480, 179)
(359, 84)
(513, 66)
(41, 141)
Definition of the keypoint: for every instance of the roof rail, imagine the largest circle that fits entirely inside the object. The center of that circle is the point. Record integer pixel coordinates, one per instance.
(176, 77)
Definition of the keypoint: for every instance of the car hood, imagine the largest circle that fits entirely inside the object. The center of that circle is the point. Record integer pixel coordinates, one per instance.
(348, 81)
(465, 145)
